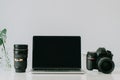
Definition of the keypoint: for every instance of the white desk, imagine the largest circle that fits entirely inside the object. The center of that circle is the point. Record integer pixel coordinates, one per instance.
(89, 75)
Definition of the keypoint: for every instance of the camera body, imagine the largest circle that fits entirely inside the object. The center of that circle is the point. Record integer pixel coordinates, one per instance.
(101, 60)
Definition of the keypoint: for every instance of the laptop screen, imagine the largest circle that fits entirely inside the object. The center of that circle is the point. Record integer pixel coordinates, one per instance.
(61, 52)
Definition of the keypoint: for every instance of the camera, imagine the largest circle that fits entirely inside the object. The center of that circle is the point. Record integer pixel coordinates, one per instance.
(101, 60)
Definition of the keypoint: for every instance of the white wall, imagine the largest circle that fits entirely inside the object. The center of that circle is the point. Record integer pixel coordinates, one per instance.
(96, 21)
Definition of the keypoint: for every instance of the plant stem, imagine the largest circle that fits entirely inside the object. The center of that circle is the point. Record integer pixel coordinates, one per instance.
(7, 59)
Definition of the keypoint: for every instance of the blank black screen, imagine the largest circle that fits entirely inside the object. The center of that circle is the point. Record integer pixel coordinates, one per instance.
(56, 52)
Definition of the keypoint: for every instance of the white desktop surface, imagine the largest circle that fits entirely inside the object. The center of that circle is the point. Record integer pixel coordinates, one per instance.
(89, 75)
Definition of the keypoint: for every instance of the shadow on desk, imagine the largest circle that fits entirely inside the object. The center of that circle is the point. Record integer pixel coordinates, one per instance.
(99, 76)
(20, 76)
(58, 77)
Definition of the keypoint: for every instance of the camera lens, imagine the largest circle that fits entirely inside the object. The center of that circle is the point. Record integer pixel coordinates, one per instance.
(106, 65)
(20, 57)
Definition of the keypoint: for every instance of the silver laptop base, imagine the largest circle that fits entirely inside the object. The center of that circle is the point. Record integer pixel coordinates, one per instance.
(57, 72)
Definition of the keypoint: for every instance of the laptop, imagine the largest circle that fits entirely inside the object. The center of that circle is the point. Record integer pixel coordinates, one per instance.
(56, 54)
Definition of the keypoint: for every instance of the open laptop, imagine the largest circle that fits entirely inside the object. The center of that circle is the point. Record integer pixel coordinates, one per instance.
(56, 54)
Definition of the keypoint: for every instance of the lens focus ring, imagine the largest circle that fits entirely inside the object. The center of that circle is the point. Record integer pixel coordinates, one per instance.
(106, 65)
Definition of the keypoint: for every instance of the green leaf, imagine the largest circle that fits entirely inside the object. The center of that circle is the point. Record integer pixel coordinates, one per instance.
(3, 36)
(1, 41)
(3, 33)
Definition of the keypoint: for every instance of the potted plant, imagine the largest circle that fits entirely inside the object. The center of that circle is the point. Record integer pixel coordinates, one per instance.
(3, 49)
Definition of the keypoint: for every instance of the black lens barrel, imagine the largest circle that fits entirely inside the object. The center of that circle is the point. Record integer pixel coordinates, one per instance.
(106, 65)
(20, 57)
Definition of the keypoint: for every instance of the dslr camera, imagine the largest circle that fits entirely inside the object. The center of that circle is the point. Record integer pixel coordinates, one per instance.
(101, 60)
